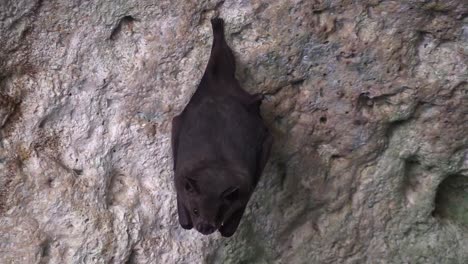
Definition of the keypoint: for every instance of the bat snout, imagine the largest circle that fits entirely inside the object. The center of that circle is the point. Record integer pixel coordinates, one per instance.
(205, 229)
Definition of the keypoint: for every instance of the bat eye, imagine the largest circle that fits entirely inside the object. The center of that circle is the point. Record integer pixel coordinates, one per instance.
(190, 186)
(195, 212)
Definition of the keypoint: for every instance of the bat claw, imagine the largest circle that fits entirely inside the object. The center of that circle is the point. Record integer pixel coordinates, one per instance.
(217, 23)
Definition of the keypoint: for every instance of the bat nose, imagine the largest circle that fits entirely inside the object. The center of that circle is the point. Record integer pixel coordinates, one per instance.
(206, 229)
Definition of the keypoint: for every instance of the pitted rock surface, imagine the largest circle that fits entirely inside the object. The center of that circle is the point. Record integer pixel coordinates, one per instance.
(367, 102)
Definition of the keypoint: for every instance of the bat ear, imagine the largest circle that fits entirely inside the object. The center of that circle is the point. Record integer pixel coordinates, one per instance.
(184, 217)
(231, 194)
(191, 185)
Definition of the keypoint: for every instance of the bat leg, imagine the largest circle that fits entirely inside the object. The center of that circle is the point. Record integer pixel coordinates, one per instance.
(230, 226)
(184, 217)
(221, 63)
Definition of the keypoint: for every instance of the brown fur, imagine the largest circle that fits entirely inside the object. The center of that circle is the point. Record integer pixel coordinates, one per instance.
(220, 146)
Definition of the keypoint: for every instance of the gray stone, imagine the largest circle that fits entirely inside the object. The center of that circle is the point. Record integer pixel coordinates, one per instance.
(367, 101)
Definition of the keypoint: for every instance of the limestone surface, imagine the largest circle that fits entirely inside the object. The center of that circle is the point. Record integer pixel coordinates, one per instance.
(367, 102)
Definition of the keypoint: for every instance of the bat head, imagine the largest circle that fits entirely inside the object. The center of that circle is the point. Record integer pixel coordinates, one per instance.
(209, 198)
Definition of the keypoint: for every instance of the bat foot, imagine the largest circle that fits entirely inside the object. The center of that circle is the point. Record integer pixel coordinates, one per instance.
(217, 24)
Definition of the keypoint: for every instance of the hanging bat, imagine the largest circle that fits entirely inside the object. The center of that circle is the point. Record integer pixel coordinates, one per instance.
(220, 146)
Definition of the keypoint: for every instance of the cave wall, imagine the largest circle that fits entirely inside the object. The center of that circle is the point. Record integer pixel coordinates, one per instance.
(366, 100)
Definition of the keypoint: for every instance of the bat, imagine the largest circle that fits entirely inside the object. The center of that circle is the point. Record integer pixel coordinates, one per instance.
(220, 146)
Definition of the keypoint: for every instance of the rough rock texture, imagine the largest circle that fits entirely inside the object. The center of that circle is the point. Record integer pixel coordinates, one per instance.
(367, 101)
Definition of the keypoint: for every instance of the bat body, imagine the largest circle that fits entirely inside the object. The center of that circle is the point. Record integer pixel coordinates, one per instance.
(220, 146)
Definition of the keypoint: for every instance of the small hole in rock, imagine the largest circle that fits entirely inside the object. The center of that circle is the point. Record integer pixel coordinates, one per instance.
(323, 119)
(451, 201)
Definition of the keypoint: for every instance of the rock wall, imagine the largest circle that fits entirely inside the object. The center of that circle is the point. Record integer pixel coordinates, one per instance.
(367, 101)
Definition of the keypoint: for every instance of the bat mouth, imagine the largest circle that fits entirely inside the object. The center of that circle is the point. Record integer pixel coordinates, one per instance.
(206, 232)
(206, 229)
